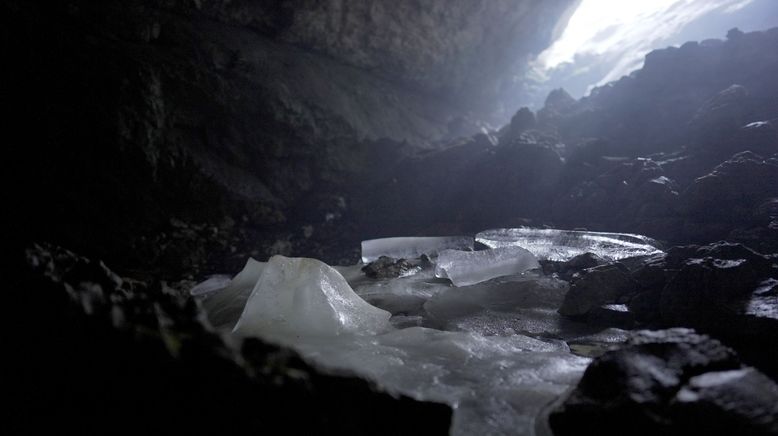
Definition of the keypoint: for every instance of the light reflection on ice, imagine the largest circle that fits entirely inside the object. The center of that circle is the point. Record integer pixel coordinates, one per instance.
(563, 245)
(470, 267)
(494, 348)
(497, 384)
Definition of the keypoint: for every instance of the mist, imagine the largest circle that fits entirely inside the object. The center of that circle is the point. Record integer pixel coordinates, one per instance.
(604, 41)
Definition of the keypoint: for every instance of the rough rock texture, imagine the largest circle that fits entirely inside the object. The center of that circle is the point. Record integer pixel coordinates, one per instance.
(669, 382)
(387, 268)
(682, 150)
(466, 188)
(723, 289)
(105, 352)
(440, 47)
(257, 118)
(566, 270)
(631, 194)
(733, 195)
(594, 287)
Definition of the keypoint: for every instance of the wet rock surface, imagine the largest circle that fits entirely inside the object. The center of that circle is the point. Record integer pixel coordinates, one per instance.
(671, 382)
(722, 289)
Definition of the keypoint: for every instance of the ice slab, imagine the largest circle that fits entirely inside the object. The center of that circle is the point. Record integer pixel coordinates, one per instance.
(224, 306)
(496, 383)
(563, 245)
(413, 247)
(298, 297)
(465, 268)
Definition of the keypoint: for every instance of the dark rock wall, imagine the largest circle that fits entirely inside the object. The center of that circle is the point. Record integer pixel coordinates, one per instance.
(253, 119)
(683, 150)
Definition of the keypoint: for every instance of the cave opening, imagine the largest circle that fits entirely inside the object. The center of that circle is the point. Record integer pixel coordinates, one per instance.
(363, 216)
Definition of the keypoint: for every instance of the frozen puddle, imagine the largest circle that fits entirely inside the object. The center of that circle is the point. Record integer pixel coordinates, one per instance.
(562, 245)
(494, 348)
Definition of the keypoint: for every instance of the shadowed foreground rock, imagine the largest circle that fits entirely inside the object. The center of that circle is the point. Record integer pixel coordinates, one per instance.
(107, 354)
(723, 289)
(672, 382)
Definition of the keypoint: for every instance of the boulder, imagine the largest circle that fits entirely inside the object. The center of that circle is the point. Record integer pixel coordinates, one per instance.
(100, 350)
(628, 194)
(568, 269)
(728, 197)
(594, 287)
(522, 120)
(669, 382)
(723, 289)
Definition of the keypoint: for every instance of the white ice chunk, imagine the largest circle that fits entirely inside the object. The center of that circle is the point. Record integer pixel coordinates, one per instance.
(465, 268)
(210, 285)
(562, 245)
(413, 247)
(224, 307)
(300, 297)
(496, 384)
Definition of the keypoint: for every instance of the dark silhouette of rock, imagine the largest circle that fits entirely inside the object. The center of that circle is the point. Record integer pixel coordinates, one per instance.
(723, 289)
(722, 114)
(567, 270)
(633, 195)
(386, 268)
(105, 351)
(521, 121)
(729, 197)
(669, 382)
(594, 287)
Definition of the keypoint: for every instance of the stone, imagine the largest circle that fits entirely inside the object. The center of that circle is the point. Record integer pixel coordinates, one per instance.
(386, 268)
(723, 273)
(594, 287)
(611, 315)
(726, 198)
(522, 120)
(670, 382)
(742, 401)
(143, 348)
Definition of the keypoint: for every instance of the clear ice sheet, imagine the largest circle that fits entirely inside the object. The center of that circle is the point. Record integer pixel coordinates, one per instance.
(497, 351)
(413, 247)
(563, 245)
(496, 383)
(465, 268)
